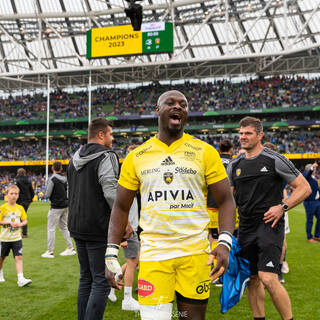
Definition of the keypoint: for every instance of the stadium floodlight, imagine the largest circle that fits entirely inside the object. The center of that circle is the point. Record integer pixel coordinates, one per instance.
(134, 12)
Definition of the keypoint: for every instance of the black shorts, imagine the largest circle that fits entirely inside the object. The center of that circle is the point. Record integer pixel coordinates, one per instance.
(263, 247)
(16, 247)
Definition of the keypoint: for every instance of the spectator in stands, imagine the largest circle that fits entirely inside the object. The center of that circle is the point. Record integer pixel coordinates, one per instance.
(25, 196)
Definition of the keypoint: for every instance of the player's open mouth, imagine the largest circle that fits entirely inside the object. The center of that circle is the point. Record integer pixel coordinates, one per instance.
(175, 118)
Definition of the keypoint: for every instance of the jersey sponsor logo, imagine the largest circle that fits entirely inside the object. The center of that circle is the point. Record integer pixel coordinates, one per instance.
(270, 264)
(145, 288)
(203, 287)
(170, 195)
(141, 152)
(192, 147)
(181, 206)
(184, 170)
(167, 162)
(190, 155)
(238, 172)
(168, 177)
(150, 171)
(264, 169)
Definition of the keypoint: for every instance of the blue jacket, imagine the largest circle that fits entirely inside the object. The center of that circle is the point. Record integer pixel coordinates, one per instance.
(314, 196)
(235, 279)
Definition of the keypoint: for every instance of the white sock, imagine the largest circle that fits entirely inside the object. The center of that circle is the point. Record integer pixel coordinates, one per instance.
(127, 293)
(111, 291)
(20, 276)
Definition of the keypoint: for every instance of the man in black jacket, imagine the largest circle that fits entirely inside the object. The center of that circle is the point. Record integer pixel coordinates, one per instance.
(92, 177)
(56, 191)
(25, 196)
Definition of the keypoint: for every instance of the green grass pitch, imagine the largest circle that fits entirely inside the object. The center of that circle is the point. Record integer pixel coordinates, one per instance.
(53, 292)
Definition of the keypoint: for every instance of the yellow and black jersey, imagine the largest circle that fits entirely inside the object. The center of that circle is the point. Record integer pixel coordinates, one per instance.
(11, 214)
(173, 184)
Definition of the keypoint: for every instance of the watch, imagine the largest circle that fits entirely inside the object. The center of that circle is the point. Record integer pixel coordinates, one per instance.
(284, 206)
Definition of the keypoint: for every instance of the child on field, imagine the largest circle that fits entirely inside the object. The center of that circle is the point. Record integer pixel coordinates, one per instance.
(12, 218)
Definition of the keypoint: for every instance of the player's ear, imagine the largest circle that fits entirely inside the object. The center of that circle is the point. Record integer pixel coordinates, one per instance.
(261, 134)
(157, 110)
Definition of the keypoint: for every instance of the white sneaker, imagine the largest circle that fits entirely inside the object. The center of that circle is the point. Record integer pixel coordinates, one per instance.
(130, 305)
(47, 254)
(1, 276)
(112, 297)
(68, 252)
(285, 267)
(24, 282)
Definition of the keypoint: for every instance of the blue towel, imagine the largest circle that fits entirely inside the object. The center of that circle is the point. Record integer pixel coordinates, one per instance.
(235, 279)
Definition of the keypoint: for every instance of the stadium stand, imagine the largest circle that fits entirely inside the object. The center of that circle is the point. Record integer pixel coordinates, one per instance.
(287, 105)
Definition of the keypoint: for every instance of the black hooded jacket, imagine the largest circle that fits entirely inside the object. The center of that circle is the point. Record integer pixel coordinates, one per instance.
(26, 191)
(92, 180)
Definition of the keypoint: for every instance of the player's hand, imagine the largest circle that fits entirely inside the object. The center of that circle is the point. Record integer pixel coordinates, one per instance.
(221, 254)
(111, 258)
(15, 224)
(114, 280)
(124, 244)
(273, 214)
(129, 231)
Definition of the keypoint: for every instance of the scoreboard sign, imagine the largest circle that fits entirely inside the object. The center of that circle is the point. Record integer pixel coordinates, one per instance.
(154, 37)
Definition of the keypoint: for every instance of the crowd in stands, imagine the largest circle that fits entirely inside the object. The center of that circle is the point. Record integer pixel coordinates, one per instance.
(218, 95)
(37, 180)
(36, 150)
(286, 142)
(61, 149)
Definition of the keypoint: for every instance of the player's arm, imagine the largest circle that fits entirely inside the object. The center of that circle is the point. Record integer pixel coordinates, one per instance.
(222, 195)
(117, 227)
(119, 215)
(49, 189)
(301, 190)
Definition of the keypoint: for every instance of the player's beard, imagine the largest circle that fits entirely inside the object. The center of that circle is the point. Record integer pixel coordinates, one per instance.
(174, 131)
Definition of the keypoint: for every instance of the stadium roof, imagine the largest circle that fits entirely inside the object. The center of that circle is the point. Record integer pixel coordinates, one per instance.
(212, 38)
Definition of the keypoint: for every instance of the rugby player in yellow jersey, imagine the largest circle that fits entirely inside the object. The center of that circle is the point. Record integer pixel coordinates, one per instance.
(174, 172)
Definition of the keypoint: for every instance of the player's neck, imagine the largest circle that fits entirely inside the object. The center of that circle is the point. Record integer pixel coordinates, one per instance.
(11, 203)
(254, 151)
(168, 139)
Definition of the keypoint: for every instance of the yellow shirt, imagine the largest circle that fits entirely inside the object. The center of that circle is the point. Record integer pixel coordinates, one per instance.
(11, 214)
(173, 185)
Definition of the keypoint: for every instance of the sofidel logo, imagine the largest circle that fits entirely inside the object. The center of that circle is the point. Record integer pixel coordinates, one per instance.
(145, 288)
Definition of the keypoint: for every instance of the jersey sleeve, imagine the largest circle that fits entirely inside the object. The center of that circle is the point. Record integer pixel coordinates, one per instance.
(23, 213)
(229, 173)
(128, 178)
(1, 213)
(214, 168)
(285, 168)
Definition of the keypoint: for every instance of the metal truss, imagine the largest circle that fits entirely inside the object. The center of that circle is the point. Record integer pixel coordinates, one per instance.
(213, 38)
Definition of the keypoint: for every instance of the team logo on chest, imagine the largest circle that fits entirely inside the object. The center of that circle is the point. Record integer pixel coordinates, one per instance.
(168, 177)
(238, 172)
